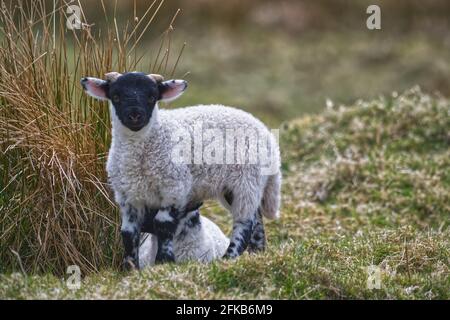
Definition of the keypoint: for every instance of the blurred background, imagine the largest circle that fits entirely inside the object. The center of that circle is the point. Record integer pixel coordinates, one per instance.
(280, 59)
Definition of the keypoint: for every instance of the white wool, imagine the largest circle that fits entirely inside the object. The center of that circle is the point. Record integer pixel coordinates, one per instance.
(142, 173)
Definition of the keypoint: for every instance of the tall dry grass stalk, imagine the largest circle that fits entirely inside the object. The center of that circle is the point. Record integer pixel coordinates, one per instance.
(55, 206)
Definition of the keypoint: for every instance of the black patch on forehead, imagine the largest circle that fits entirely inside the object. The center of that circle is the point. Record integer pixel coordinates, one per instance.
(134, 83)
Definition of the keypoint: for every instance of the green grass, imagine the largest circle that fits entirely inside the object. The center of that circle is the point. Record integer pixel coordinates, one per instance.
(363, 185)
(277, 75)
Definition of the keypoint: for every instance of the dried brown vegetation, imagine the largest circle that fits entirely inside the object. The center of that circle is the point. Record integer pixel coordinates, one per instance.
(55, 207)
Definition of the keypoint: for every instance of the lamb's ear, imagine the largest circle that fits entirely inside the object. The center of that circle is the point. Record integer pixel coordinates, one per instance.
(95, 87)
(171, 89)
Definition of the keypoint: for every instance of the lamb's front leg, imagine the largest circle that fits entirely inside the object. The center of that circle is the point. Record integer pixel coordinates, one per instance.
(130, 231)
(165, 225)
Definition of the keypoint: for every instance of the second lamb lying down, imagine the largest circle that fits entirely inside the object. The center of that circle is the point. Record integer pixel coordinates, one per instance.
(196, 238)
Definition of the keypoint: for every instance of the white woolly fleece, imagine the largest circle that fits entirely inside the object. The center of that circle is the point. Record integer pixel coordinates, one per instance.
(142, 173)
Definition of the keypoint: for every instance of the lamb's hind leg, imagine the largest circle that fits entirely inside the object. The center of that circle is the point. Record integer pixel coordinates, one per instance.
(240, 237)
(243, 209)
(258, 237)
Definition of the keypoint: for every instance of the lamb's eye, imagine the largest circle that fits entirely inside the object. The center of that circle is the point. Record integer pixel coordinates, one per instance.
(151, 100)
(116, 98)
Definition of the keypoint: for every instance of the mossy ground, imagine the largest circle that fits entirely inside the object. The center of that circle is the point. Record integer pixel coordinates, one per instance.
(365, 185)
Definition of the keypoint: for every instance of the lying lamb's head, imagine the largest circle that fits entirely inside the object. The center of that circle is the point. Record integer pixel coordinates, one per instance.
(133, 94)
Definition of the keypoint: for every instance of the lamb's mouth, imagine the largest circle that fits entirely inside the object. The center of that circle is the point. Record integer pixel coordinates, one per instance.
(135, 127)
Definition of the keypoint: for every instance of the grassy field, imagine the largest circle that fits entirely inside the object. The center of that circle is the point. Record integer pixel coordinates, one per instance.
(279, 76)
(364, 185)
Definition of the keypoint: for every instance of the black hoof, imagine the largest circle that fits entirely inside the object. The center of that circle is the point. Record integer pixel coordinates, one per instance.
(129, 264)
(164, 258)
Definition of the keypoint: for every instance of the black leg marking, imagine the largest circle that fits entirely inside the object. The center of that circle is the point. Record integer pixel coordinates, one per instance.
(190, 221)
(194, 219)
(165, 251)
(131, 243)
(130, 236)
(258, 238)
(165, 225)
(147, 223)
(240, 238)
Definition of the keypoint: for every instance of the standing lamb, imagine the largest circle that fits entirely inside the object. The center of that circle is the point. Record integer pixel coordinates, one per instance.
(150, 170)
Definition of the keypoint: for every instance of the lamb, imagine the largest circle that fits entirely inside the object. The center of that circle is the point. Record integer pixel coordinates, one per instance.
(154, 178)
(196, 238)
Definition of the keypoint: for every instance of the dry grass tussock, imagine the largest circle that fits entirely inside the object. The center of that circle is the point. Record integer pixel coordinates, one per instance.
(55, 207)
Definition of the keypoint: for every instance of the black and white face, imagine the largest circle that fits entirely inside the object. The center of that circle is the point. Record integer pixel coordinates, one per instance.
(133, 95)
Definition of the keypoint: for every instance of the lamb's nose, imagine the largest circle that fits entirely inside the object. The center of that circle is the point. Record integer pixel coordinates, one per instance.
(134, 117)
